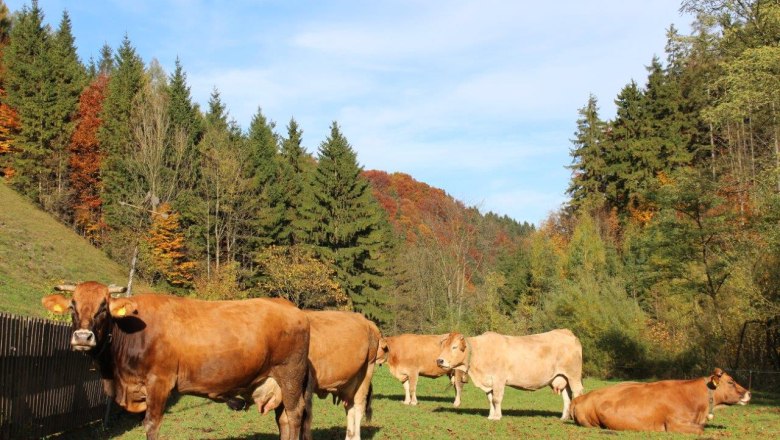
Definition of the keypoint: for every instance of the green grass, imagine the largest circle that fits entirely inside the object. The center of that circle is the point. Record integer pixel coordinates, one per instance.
(526, 415)
(36, 252)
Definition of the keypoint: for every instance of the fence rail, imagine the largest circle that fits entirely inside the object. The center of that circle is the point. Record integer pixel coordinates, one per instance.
(44, 387)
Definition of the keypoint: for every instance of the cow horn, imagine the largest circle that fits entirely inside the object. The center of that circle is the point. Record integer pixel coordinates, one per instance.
(116, 289)
(65, 287)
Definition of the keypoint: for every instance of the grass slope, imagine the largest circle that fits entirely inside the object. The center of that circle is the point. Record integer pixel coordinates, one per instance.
(36, 252)
(526, 415)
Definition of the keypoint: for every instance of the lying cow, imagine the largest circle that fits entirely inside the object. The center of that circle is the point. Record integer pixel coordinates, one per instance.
(410, 356)
(147, 345)
(668, 405)
(493, 361)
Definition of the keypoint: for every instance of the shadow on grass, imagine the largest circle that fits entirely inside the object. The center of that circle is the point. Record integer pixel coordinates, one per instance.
(504, 412)
(400, 398)
(332, 433)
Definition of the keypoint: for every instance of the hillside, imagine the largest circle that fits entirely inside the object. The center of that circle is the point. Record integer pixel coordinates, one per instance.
(36, 252)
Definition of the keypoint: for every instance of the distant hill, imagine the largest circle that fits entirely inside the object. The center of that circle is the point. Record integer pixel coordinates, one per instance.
(36, 252)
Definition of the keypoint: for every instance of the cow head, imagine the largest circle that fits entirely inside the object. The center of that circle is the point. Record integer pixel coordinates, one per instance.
(381, 352)
(453, 352)
(727, 390)
(90, 306)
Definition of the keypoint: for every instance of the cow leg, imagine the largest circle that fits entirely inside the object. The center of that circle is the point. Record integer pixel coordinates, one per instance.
(566, 394)
(683, 427)
(489, 395)
(157, 392)
(413, 388)
(361, 402)
(496, 396)
(294, 403)
(457, 380)
(407, 394)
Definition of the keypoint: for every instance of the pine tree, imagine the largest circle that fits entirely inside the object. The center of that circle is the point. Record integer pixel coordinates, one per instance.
(115, 137)
(587, 182)
(9, 119)
(187, 122)
(346, 226)
(69, 77)
(266, 192)
(30, 91)
(296, 166)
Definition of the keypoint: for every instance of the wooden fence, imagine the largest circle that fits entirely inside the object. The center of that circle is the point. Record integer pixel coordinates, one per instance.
(44, 386)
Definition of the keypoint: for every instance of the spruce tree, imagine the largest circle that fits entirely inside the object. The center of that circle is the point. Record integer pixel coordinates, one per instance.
(187, 121)
(69, 78)
(115, 137)
(587, 182)
(346, 225)
(266, 192)
(30, 91)
(295, 167)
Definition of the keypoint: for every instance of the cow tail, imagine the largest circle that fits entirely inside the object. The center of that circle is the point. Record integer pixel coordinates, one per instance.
(369, 397)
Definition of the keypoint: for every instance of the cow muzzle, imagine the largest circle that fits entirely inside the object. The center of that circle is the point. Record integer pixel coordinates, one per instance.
(82, 340)
(745, 398)
(443, 364)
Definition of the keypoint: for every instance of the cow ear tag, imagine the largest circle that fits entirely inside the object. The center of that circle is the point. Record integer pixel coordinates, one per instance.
(57, 308)
(121, 312)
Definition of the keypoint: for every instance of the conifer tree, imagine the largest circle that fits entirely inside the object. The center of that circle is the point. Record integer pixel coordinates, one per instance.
(69, 78)
(186, 121)
(9, 120)
(345, 224)
(587, 182)
(264, 175)
(30, 91)
(115, 137)
(296, 166)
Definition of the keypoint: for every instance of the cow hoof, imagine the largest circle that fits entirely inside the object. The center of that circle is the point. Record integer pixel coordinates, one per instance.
(236, 403)
(494, 418)
(456, 404)
(414, 403)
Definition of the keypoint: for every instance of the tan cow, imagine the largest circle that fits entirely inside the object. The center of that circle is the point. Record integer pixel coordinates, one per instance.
(493, 361)
(343, 351)
(668, 405)
(410, 356)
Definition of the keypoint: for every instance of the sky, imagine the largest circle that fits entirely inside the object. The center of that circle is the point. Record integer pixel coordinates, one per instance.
(478, 98)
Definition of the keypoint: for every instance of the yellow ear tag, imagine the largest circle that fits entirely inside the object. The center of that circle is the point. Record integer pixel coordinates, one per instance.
(121, 312)
(57, 308)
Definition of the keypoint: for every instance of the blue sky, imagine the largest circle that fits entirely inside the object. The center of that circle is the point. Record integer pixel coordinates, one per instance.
(478, 98)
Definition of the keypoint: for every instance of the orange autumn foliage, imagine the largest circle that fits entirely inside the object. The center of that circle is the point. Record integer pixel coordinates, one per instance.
(168, 253)
(85, 160)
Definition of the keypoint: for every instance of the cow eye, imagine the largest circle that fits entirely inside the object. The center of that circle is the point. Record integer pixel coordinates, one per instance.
(731, 382)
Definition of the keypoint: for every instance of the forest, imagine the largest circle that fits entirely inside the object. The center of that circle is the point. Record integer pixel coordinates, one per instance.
(668, 247)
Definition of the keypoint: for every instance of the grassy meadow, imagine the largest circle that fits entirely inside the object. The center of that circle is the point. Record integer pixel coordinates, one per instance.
(526, 415)
(37, 252)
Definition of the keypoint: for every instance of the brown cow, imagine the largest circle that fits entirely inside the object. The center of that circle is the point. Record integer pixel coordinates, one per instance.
(410, 356)
(668, 405)
(493, 361)
(147, 345)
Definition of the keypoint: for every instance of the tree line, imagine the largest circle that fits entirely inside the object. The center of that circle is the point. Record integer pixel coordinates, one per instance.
(669, 243)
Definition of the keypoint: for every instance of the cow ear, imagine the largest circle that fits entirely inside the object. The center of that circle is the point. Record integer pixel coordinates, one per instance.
(714, 379)
(443, 338)
(122, 307)
(55, 303)
(462, 343)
